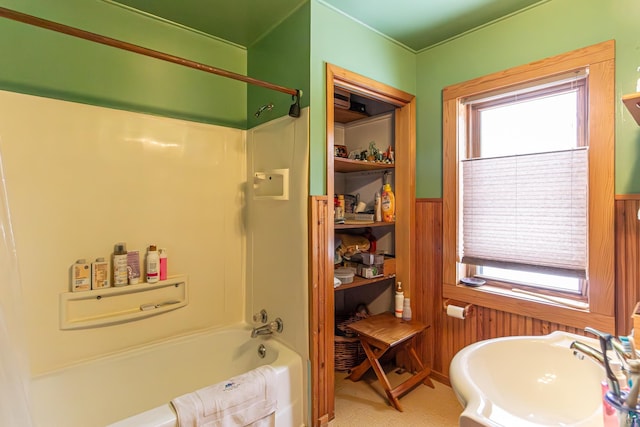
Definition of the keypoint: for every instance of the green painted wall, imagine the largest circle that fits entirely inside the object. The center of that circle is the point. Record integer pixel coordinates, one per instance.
(341, 41)
(280, 57)
(548, 29)
(42, 62)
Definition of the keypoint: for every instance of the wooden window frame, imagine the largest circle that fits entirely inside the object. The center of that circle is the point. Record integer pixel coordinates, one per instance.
(600, 60)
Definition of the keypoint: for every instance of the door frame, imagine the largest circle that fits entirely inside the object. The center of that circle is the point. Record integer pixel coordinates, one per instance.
(321, 305)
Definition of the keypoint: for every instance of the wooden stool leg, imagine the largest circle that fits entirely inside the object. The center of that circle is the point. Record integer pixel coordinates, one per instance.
(377, 368)
(413, 356)
(361, 369)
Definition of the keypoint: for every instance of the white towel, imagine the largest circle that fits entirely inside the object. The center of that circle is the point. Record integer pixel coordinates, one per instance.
(249, 399)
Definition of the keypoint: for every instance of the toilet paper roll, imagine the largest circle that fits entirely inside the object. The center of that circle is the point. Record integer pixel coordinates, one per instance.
(455, 311)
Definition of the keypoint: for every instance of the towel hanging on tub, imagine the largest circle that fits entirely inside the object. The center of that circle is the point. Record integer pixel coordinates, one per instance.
(249, 399)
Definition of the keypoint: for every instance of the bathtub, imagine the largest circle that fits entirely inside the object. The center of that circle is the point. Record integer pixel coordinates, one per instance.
(133, 389)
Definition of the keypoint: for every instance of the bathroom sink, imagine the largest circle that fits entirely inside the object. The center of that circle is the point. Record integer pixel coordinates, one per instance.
(528, 381)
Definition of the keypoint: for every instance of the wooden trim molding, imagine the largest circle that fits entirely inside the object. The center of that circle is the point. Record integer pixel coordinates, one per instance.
(600, 59)
(321, 235)
(321, 319)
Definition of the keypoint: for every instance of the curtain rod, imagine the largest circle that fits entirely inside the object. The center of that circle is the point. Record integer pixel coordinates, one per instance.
(76, 32)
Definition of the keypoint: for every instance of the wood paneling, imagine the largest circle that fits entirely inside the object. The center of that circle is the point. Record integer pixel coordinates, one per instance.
(627, 266)
(448, 335)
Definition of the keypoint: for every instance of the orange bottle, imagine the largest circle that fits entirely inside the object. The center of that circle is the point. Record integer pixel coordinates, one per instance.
(388, 204)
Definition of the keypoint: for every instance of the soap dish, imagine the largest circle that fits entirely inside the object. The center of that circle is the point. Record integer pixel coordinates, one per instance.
(473, 281)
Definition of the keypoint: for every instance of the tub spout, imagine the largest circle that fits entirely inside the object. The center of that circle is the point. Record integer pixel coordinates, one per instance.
(268, 329)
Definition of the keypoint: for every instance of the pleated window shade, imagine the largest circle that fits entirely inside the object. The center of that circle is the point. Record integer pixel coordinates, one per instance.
(527, 212)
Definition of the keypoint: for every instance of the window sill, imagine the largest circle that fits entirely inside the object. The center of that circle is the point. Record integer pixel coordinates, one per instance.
(511, 302)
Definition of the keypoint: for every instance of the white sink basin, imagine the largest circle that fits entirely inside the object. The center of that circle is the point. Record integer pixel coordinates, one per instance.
(528, 381)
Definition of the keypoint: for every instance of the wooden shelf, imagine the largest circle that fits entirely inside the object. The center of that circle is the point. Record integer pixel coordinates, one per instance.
(360, 281)
(632, 102)
(363, 225)
(342, 115)
(341, 164)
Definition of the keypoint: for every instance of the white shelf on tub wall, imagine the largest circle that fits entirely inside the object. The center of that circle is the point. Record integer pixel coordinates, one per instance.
(102, 307)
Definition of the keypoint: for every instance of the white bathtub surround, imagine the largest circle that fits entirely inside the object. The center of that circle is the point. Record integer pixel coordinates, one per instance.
(80, 178)
(248, 399)
(528, 381)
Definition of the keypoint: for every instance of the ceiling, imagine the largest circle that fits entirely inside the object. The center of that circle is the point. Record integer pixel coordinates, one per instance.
(416, 24)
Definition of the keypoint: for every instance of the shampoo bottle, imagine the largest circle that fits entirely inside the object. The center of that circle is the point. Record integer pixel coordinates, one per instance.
(120, 273)
(80, 276)
(153, 265)
(388, 204)
(100, 274)
(163, 264)
(399, 300)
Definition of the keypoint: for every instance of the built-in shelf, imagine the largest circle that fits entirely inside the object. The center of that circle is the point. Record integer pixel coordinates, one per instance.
(342, 115)
(363, 224)
(360, 281)
(347, 165)
(632, 102)
(102, 307)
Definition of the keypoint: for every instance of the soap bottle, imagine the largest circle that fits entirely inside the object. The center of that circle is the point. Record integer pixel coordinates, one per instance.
(406, 310)
(399, 300)
(120, 271)
(163, 264)
(388, 204)
(153, 264)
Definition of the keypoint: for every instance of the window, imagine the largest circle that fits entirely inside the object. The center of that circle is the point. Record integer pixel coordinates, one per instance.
(524, 186)
(528, 188)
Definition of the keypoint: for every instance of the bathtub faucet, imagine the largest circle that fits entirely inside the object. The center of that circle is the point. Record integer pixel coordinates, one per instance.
(268, 329)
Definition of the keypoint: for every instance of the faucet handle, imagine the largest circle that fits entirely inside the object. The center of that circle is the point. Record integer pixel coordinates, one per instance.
(260, 317)
(602, 335)
(277, 325)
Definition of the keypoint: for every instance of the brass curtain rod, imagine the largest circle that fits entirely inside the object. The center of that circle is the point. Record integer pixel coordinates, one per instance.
(76, 32)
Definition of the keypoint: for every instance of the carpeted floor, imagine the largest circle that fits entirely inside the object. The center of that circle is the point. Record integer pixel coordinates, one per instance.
(364, 403)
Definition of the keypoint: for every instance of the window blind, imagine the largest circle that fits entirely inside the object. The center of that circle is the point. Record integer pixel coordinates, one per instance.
(526, 212)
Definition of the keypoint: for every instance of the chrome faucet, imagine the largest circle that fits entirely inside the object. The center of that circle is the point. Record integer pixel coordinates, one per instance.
(268, 329)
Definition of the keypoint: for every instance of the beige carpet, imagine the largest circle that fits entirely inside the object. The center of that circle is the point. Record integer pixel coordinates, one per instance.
(364, 403)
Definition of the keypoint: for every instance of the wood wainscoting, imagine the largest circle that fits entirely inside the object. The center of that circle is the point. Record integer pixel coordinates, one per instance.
(448, 335)
(627, 260)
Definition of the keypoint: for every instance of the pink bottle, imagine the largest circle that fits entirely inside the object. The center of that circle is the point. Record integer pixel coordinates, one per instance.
(163, 264)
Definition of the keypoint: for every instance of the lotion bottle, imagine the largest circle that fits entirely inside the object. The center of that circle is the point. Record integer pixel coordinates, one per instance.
(406, 310)
(120, 272)
(153, 265)
(399, 300)
(378, 207)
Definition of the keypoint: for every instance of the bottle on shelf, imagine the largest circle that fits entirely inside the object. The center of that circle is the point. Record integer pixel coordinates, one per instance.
(153, 264)
(399, 300)
(163, 264)
(378, 207)
(406, 310)
(120, 272)
(388, 204)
